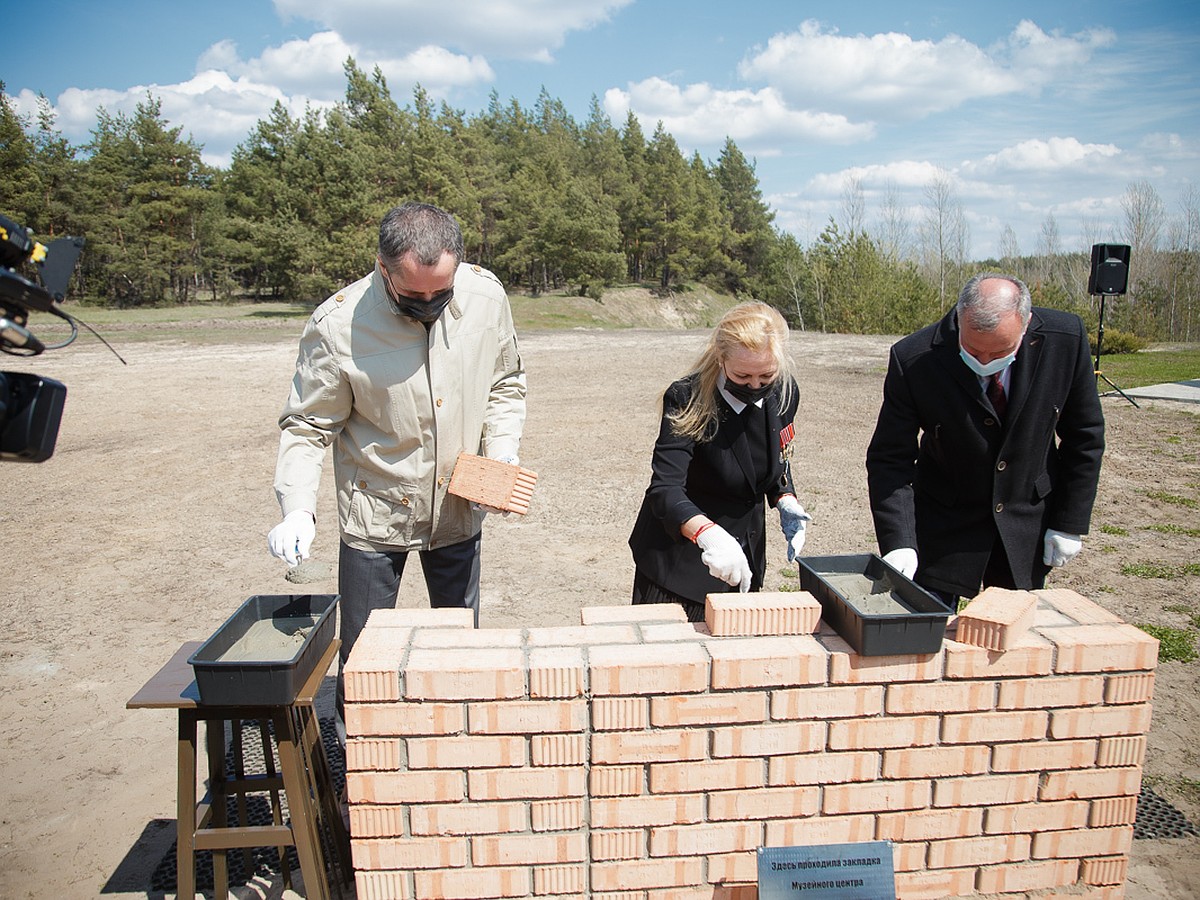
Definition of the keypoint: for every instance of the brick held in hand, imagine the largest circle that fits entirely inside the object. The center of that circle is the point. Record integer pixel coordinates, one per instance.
(490, 482)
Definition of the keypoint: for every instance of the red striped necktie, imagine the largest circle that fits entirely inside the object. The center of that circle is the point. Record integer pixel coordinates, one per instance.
(995, 393)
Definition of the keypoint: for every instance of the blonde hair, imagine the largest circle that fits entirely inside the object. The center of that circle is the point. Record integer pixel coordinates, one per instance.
(752, 326)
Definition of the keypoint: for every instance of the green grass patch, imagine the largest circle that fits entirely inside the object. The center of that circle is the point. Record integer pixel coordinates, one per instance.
(1177, 608)
(1113, 529)
(789, 573)
(1173, 499)
(790, 586)
(1178, 644)
(1171, 528)
(1151, 367)
(1159, 570)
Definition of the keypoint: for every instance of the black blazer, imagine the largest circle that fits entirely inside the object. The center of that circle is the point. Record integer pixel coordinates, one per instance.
(945, 476)
(714, 478)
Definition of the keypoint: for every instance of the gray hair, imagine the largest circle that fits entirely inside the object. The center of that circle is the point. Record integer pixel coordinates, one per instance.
(421, 229)
(986, 312)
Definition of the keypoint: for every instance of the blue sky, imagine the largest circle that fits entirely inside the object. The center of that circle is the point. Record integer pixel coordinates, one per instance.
(1038, 115)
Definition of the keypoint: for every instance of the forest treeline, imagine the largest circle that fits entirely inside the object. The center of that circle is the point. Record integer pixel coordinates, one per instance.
(548, 203)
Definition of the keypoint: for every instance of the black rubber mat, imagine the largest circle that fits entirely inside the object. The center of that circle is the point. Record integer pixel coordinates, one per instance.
(1156, 818)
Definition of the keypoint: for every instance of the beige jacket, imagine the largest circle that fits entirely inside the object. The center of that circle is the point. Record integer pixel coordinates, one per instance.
(398, 405)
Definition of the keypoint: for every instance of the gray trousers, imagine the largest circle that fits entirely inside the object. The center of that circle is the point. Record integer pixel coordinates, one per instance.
(369, 580)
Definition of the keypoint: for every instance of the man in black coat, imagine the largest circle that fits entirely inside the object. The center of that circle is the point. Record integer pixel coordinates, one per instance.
(986, 454)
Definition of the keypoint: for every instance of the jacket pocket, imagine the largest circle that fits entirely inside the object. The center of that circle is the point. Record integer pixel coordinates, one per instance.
(381, 511)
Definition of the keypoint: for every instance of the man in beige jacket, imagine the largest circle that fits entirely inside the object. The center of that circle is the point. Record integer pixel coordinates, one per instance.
(400, 372)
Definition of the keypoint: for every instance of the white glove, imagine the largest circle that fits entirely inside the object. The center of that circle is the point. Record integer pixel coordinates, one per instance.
(723, 555)
(903, 560)
(793, 520)
(1059, 548)
(496, 511)
(292, 538)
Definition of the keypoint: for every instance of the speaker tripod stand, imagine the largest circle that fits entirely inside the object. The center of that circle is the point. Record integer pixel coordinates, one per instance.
(1099, 350)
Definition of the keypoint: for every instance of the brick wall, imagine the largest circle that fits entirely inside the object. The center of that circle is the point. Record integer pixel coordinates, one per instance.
(637, 757)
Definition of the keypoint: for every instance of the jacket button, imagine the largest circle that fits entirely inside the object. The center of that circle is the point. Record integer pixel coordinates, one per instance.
(441, 481)
(989, 421)
(362, 484)
(1001, 466)
(339, 298)
(439, 401)
(476, 268)
(999, 507)
(404, 501)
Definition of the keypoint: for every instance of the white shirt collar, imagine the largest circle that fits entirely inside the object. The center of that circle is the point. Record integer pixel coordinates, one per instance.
(733, 401)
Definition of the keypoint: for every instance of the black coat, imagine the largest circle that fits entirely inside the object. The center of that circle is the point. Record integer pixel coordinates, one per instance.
(970, 477)
(714, 478)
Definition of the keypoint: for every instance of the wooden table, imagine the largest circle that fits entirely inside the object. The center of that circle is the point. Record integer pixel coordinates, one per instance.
(304, 777)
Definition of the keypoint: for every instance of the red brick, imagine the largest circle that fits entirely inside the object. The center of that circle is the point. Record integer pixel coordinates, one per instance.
(1102, 648)
(821, 830)
(556, 815)
(420, 617)
(885, 731)
(929, 824)
(655, 632)
(620, 713)
(465, 638)
(527, 716)
(558, 750)
(410, 853)
(651, 873)
(556, 672)
(840, 799)
(612, 781)
(405, 787)
(762, 613)
(466, 752)
(1030, 656)
(563, 636)
(372, 672)
(1043, 755)
(1032, 876)
(1075, 606)
(1137, 688)
(740, 663)
(847, 667)
(463, 818)
(625, 843)
(1045, 693)
(474, 884)
(710, 775)
(365, 754)
(645, 612)
(480, 674)
(763, 803)
(709, 709)
(382, 886)
(1104, 870)
(708, 837)
(940, 697)
(514, 784)
(367, 719)
(827, 702)
(995, 727)
(823, 768)
(931, 885)
(1093, 783)
(909, 857)
(378, 821)
(648, 669)
(648, 746)
(769, 740)
(641, 812)
(1030, 817)
(985, 790)
(559, 880)
(935, 762)
(1121, 751)
(1107, 811)
(978, 851)
(1082, 842)
(733, 867)
(996, 619)
(527, 849)
(1100, 721)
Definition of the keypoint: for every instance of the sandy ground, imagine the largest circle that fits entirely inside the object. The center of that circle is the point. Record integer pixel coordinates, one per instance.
(148, 528)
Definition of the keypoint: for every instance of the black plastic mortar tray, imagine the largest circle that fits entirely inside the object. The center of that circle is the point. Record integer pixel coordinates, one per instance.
(915, 622)
(265, 651)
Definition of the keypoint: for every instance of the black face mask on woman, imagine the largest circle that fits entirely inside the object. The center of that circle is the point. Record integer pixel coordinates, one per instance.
(748, 394)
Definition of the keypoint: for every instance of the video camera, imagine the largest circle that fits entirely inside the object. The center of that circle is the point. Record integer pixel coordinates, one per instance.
(31, 405)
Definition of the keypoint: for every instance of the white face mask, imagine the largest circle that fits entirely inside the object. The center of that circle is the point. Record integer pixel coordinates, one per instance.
(985, 370)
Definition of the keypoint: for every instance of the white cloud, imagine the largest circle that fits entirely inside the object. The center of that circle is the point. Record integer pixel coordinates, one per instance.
(699, 114)
(891, 76)
(1049, 156)
(514, 29)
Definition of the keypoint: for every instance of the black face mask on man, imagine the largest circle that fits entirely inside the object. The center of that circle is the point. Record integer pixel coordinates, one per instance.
(425, 311)
(748, 394)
